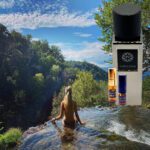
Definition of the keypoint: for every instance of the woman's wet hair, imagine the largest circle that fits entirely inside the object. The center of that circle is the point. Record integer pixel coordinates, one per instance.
(67, 89)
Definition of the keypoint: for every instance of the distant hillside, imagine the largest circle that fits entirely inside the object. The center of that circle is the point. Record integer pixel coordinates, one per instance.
(98, 73)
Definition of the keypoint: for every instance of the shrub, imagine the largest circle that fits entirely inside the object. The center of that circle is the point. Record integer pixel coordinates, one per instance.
(87, 91)
(10, 138)
(146, 91)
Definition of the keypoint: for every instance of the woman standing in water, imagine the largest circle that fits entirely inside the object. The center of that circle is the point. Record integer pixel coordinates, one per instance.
(68, 109)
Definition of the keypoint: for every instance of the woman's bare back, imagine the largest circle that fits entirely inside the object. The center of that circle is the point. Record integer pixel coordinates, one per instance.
(69, 112)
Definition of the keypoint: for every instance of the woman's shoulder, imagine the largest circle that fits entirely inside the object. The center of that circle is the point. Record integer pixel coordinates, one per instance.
(62, 103)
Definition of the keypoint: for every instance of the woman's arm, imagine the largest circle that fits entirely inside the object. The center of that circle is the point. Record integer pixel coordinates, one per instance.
(60, 113)
(77, 115)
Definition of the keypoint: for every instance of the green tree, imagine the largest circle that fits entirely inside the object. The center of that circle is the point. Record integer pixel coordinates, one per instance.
(39, 78)
(84, 88)
(20, 97)
(55, 71)
(104, 21)
(146, 91)
(31, 72)
(56, 52)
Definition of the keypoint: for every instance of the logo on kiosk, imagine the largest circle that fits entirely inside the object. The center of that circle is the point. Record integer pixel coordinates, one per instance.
(127, 59)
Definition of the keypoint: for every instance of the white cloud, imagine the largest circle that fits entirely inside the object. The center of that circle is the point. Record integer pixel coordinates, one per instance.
(34, 20)
(85, 51)
(85, 35)
(89, 50)
(6, 4)
(80, 51)
(65, 46)
(35, 39)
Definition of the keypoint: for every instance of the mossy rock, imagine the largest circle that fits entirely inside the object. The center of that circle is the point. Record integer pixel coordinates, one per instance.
(115, 137)
(104, 131)
(104, 142)
(148, 106)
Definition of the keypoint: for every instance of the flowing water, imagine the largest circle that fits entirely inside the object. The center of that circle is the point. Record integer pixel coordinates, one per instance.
(115, 129)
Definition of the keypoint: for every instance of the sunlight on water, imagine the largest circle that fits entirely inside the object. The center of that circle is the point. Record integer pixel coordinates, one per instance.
(133, 135)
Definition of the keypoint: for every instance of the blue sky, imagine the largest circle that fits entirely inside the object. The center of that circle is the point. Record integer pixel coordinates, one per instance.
(68, 24)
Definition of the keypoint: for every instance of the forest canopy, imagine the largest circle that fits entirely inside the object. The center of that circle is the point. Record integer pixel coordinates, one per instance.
(31, 73)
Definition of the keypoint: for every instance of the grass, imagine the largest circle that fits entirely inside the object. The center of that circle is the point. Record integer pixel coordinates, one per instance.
(115, 137)
(146, 98)
(110, 136)
(146, 92)
(10, 138)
